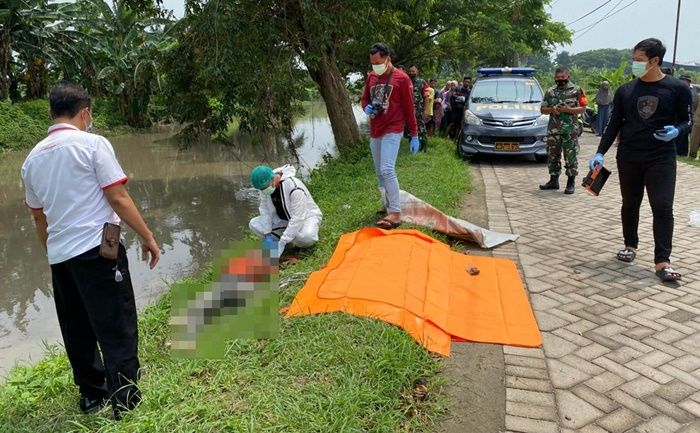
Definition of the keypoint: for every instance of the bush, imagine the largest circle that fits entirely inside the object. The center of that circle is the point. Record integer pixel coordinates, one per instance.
(19, 129)
(106, 115)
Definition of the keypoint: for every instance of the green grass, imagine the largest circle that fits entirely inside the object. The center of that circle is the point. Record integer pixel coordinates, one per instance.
(325, 373)
(689, 160)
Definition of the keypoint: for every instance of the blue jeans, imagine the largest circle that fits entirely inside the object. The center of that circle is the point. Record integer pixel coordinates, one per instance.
(385, 149)
(602, 120)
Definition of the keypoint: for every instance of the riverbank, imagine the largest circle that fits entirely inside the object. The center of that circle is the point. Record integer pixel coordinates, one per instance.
(323, 373)
(24, 124)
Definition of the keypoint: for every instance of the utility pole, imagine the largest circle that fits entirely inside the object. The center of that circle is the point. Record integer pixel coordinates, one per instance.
(675, 41)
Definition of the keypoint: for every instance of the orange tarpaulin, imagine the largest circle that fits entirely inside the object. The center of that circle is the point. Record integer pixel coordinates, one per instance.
(411, 280)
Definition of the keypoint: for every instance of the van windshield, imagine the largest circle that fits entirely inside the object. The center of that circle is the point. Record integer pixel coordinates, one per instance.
(501, 91)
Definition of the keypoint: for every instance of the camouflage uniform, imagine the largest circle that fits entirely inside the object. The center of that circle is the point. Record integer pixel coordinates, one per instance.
(563, 129)
(419, 104)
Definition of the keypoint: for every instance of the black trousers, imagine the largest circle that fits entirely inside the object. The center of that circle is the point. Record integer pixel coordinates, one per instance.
(682, 144)
(95, 310)
(659, 179)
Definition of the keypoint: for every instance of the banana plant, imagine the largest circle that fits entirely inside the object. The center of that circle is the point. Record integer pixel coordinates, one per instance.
(126, 54)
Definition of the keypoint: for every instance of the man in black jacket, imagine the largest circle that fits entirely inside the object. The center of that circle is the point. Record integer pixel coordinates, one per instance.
(648, 112)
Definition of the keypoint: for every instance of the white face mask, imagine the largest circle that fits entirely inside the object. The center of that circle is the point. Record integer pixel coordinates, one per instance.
(379, 69)
(269, 190)
(639, 69)
(88, 127)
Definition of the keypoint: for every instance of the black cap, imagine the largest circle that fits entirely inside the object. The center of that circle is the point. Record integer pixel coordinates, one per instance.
(686, 78)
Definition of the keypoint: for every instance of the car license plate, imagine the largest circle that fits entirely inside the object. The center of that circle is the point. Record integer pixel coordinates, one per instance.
(507, 146)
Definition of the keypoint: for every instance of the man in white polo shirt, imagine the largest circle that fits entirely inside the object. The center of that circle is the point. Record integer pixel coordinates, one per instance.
(74, 185)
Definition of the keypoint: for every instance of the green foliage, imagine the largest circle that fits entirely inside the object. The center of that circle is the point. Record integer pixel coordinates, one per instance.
(17, 128)
(38, 110)
(324, 373)
(605, 58)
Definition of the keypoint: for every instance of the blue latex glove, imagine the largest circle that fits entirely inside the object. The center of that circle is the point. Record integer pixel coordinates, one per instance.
(596, 160)
(415, 144)
(368, 109)
(278, 249)
(670, 134)
(268, 242)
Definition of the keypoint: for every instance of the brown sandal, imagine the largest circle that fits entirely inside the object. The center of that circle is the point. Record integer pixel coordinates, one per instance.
(387, 224)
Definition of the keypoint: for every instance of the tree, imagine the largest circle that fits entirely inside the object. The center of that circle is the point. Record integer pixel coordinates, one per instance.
(563, 59)
(125, 47)
(327, 39)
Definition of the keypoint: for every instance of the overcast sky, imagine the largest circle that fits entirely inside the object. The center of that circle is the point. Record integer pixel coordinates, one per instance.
(623, 29)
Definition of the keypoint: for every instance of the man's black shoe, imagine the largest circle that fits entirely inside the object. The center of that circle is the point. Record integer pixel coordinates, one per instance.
(570, 183)
(552, 184)
(91, 405)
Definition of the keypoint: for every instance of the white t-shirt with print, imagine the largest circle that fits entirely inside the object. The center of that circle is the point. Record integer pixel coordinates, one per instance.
(66, 175)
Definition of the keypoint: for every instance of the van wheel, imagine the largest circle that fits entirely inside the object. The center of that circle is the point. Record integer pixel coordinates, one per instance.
(541, 158)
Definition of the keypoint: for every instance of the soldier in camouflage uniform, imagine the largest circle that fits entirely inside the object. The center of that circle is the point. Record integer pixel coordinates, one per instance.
(563, 102)
(420, 96)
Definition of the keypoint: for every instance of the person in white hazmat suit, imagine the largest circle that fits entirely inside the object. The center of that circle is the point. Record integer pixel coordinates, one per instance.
(288, 213)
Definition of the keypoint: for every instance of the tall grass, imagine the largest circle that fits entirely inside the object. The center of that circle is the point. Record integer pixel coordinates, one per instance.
(325, 373)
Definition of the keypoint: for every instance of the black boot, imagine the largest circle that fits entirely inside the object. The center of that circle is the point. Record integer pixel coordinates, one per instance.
(570, 185)
(552, 184)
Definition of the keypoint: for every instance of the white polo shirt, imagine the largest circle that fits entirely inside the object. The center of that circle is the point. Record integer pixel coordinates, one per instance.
(65, 175)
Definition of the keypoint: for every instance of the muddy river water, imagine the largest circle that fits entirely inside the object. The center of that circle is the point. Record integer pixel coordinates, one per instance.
(191, 197)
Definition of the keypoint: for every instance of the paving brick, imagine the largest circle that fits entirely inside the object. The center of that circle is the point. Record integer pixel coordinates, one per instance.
(639, 332)
(575, 412)
(616, 368)
(605, 382)
(637, 345)
(669, 336)
(657, 424)
(592, 428)
(632, 403)
(670, 409)
(592, 351)
(675, 391)
(640, 387)
(656, 358)
(595, 398)
(686, 363)
(523, 351)
(620, 420)
(603, 340)
(563, 375)
(528, 384)
(556, 347)
(578, 339)
(691, 406)
(529, 397)
(681, 375)
(549, 322)
(527, 425)
(671, 350)
(525, 410)
(624, 354)
(582, 365)
(533, 373)
(693, 427)
(542, 301)
(580, 326)
(651, 373)
(525, 361)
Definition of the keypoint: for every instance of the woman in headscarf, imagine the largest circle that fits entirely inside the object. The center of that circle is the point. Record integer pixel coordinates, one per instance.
(603, 100)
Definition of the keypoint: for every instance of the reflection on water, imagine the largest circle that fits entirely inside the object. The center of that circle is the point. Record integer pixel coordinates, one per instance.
(191, 199)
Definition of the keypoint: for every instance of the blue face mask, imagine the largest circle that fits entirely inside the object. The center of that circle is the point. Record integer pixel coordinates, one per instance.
(269, 190)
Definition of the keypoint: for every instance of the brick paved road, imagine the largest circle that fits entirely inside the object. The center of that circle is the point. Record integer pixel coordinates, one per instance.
(621, 350)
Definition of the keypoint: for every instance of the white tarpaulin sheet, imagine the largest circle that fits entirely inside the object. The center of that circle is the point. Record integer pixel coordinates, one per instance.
(416, 211)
